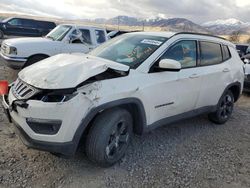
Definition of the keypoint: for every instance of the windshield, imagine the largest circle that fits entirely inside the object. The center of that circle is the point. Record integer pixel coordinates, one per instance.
(129, 49)
(59, 32)
(6, 20)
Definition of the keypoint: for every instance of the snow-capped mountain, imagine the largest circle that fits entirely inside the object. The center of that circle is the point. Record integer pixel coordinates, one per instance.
(227, 22)
(227, 26)
(217, 27)
(169, 24)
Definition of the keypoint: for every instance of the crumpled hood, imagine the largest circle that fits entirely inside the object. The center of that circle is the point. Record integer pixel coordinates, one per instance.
(16, 42)
(65, 71)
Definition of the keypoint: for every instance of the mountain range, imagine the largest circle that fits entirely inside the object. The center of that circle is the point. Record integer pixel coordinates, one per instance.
(218, 27)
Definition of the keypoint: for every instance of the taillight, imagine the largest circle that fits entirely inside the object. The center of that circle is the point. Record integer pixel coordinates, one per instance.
(4, 85)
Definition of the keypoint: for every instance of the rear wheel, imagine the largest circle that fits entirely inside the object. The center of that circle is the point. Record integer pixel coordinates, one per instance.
(34, 59)
(224, 109)
(109, 137)
(1, 35)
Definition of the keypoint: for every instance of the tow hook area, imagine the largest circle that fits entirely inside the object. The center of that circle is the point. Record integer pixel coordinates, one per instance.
(19, 103)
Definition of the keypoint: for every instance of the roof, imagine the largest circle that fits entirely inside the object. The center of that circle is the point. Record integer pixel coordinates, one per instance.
(84, 26)
(200, 36)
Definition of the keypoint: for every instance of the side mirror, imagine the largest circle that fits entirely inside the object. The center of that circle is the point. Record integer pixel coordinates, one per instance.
(170, 64)
(246, 61)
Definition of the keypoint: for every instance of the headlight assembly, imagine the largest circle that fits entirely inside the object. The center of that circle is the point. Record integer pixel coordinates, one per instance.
(57, 97)
(12, 50)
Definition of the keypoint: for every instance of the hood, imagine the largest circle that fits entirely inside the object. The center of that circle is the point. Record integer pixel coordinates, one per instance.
(65, 71)
(27, 40)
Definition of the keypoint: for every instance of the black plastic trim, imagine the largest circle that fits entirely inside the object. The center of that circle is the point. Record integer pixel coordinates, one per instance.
(67, 148)
(180, 117)
(139, 128)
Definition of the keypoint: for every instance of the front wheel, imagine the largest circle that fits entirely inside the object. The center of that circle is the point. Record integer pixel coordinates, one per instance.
(109, 137)
(224, 109)
(34, 59)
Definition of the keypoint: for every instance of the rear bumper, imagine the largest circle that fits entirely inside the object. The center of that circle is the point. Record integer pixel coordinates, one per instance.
(13, 62)
(247, 86)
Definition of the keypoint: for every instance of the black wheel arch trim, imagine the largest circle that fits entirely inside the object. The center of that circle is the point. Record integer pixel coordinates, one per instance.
(139, 128)
(237, 84)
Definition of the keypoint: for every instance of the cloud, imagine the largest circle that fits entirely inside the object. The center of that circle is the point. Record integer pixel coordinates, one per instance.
(196, 10)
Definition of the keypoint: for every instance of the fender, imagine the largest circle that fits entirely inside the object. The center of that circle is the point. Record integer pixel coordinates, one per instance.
(235, 93)
(139, 116)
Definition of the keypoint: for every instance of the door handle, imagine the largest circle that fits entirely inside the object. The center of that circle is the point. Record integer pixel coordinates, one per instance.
(194, 76)
(226, 70)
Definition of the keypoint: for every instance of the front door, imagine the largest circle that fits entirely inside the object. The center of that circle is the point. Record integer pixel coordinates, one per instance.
(174, 93)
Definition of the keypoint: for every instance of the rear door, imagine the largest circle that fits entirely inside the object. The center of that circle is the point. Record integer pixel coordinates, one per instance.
(215, 69)
(30, 27)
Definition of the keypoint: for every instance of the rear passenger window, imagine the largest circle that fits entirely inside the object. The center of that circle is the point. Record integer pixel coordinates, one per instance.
(184, 52)
(86, 35)
(210, 53)
(28, 23)
(100, 36)
(226, 53)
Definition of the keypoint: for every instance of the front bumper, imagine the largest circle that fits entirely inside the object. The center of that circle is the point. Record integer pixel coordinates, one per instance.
(65, 141)
(13, 62)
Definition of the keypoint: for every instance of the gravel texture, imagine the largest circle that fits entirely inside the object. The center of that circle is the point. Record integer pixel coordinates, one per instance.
(191, 153)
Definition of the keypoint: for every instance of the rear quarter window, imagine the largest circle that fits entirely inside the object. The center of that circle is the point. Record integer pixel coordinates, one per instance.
(226, 53)
(211, 53)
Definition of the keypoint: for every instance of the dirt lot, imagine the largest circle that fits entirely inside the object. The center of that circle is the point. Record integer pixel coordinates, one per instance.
(191, 153)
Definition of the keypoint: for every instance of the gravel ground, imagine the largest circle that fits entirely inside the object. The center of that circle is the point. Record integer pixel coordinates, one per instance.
(192, 153)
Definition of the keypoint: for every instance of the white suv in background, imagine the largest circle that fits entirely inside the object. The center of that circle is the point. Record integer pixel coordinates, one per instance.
(129, 85)
(67, 38)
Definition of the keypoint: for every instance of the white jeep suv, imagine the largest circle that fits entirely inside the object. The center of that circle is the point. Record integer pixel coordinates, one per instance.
(130, 84)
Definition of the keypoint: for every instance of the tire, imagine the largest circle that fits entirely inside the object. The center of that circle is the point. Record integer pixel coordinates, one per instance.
(1, 35)
(224, 109)
(34, 59)
(109, 137)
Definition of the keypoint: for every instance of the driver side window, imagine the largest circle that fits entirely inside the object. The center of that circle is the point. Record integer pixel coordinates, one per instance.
(184, 51)
(14, 22)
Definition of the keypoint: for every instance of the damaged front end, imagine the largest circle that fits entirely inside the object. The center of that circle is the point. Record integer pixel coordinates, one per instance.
(48, 106)
(48, 114)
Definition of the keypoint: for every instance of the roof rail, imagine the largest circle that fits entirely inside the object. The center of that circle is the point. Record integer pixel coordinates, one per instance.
(202, 34)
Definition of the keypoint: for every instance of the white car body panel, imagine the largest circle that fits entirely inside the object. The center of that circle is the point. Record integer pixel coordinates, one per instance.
(66, 70)
(163, 94)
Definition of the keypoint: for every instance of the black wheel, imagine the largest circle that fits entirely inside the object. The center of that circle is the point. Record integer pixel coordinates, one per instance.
(109, 137)
(1, 35)
(34, 59)
(224, 109)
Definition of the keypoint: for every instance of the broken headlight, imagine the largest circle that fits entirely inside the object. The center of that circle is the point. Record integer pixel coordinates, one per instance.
(58, 97)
